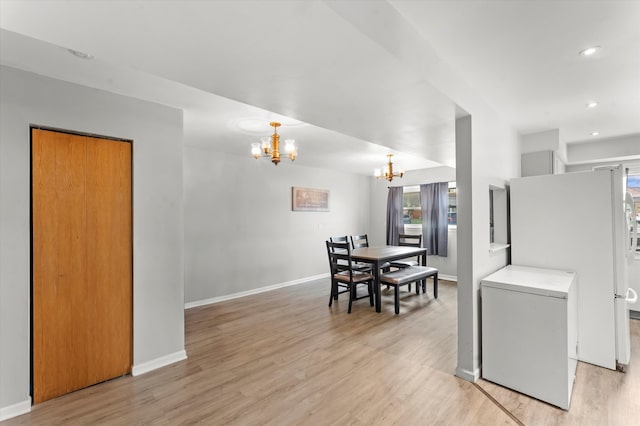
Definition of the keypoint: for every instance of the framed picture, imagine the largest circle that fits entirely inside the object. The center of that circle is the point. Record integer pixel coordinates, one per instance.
(309, 199)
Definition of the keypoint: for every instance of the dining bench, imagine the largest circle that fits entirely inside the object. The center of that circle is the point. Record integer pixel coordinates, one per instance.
(408, 275)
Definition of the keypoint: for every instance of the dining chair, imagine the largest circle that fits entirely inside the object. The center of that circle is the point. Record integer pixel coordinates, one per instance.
(364, 267)
(344, 276)
(408, 240)
(359, 241)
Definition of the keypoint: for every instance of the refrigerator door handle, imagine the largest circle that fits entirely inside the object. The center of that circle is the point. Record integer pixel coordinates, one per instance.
(631, 296)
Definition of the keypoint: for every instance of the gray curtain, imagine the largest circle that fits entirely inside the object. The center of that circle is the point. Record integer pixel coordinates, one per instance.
(434, 202)
(395, 224)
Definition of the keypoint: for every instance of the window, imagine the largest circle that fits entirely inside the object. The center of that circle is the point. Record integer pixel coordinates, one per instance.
(453, 205)
(498, 232)
(412, 212)
(633, 186)
(492, 229)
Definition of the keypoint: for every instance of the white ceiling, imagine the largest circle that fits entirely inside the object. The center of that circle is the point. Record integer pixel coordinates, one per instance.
(336, 72)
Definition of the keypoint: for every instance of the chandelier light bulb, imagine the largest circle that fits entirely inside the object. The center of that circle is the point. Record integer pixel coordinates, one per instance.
(255, 150)
(289, 146)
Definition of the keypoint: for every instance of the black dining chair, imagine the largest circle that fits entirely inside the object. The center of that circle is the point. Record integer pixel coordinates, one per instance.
(359, 266)
(359, 241)
(344, 276)
(362, 267)
(408, 240)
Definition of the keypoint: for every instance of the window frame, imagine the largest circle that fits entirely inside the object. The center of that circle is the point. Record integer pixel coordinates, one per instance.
(416, 188)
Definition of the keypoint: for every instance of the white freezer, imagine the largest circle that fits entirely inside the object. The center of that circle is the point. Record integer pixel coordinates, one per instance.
(529, 332)
(575, 221)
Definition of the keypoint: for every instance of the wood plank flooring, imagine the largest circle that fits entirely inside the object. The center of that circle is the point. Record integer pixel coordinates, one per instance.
(285, 358)
(600, 396)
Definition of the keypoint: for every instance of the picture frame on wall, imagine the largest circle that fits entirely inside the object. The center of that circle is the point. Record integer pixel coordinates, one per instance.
(309, 199)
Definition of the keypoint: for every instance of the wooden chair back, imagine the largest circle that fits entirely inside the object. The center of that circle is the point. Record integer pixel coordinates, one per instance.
(358, 241)
(339, 257)
(410, 240)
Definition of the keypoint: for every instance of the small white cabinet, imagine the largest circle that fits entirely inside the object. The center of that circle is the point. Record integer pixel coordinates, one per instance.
(529, 332)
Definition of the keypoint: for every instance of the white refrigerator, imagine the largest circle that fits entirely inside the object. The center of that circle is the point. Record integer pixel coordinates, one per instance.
(577, 222)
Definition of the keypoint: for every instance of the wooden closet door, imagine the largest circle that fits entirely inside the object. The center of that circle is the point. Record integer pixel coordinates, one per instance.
(59, 264)
(82, 262)
(109, 258)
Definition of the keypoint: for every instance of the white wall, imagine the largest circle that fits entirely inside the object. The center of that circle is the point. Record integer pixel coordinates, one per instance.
(447, 266)
(487, 155)
(156, 130)
(623, 148)
(240, 231)
(632, 165)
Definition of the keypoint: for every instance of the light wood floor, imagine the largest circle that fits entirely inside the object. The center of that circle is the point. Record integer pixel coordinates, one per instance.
(285, 358)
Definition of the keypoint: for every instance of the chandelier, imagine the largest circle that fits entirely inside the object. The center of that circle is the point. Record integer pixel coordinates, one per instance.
(270, 146)
(387, 171)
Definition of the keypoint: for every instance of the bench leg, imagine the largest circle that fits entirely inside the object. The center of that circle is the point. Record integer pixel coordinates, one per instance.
(396, 299)
(435, 286)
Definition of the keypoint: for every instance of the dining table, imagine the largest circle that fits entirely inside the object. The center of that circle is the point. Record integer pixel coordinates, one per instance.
(378, 255)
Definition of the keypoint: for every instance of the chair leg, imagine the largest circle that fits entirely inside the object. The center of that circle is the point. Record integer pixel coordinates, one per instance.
(396, 299)
(351, 296)
(333, 292)
(435, 286)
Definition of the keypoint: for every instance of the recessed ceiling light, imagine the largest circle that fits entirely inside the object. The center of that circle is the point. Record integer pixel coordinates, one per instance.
(595, 133)
(592, 104)
(589, 51)
(80, 55)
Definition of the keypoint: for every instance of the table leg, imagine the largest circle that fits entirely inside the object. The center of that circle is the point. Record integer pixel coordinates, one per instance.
(376, 286)
(424, 281)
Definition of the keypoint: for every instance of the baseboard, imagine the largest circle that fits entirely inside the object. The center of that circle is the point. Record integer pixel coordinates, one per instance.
(469, 376)
(154, 364)
(15, 410)
(448, 277)
(218, 299)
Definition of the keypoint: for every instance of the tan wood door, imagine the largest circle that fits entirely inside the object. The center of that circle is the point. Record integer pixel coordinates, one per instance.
(82, 261)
